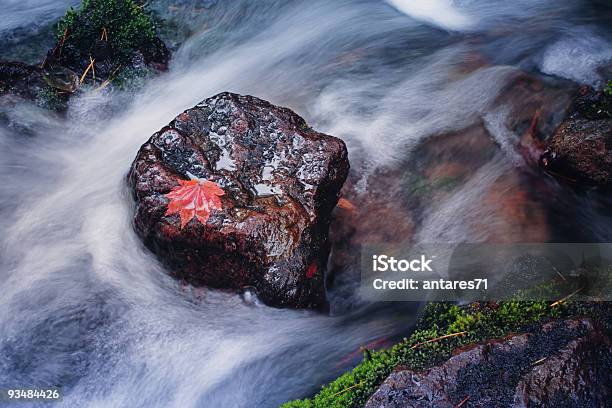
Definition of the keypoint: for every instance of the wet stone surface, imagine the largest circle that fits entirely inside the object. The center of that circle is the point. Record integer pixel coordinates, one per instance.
(580, 150)
(281, 180)
(559, 364)
(20, 79)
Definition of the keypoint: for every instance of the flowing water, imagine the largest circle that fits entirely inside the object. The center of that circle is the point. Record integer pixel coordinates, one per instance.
(85, 306)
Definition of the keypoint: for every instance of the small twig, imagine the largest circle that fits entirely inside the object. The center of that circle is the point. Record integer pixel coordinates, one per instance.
(446, 336)
(463, 401)
(58, 47)
(559, 273)
(554, 173)
(103, 85)
(539, 361)
(42, 65)
(90, 66)
(108, 81)
(348, 389)
(63, 39)
(564, 299)
(93, 68)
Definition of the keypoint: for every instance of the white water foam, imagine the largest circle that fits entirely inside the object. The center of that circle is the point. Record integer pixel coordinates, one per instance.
(441, 13)
(577, 56)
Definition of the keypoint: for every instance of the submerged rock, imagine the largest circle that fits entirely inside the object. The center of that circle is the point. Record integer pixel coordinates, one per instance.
(581, 148)
(562, 363)
(281, 180)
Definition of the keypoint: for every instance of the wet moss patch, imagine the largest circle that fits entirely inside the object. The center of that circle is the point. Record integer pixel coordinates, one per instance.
(52, 99)
(110, 32)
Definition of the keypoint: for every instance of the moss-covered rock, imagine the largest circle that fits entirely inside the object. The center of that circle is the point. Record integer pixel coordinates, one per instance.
(443, 328)
(115, 34)
(103, 42)
(564, 362)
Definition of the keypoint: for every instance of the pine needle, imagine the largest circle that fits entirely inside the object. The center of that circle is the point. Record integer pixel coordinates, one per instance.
(63, 39)
(108, 81)
(90, 66)
(463, 401)
(539, 361)
(104, 35)
(559, 273)
(564, 299)
(93, 68)
(102, 85)
(446, 336)
(57, 49)
(348, 389)
(572, 180)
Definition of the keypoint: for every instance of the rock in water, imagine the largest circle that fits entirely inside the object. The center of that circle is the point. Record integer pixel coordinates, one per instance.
(20, 79)
(560, 364)
(581, 148)
(281, 180)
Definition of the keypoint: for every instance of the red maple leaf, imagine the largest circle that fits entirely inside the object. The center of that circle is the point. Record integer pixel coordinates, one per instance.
(311, 271)
(194, 198)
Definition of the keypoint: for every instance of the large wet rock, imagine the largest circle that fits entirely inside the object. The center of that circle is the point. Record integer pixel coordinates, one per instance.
(561, 364)
(580, 150)
(281, 180)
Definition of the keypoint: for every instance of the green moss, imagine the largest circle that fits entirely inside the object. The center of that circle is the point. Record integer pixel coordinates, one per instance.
(131, 77)
(52, 99)
(421, 186)
(481, 322)
(121, 25)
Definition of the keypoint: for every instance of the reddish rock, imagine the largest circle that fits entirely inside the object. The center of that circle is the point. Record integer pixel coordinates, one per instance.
(281, 180)
(561, 364)
(581, 150)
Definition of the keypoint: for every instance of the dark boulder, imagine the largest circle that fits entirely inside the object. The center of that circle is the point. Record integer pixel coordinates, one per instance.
(17, 78)
(281, 180)
(50, 88)
(580, 149)
(560, 364)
